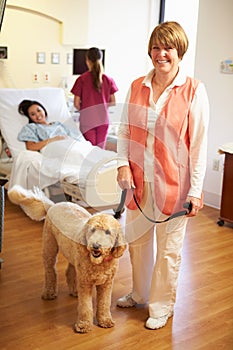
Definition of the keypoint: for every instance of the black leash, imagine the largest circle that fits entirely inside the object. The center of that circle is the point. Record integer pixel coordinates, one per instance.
(187, 205)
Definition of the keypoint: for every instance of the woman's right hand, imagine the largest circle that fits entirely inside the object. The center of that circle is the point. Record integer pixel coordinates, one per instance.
(125, 178)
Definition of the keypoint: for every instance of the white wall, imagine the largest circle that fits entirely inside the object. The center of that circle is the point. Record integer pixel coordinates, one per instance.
(72, 14)
(186, 13)
(214, 44)
(123, 28)
(26, 33)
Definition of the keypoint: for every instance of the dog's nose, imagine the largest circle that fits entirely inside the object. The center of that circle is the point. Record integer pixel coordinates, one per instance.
(96, 246)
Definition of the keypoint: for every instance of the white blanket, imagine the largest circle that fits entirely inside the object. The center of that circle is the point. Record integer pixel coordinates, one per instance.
(60, 160)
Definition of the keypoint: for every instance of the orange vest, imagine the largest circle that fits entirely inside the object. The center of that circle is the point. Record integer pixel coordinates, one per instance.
(171, 145)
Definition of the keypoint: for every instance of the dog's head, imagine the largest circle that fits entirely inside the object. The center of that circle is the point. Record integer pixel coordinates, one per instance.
(104, 238)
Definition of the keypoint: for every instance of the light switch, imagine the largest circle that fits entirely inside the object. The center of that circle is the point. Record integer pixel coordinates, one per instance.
(226, 66)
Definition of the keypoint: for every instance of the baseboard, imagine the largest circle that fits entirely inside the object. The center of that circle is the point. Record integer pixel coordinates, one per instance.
(212, 200)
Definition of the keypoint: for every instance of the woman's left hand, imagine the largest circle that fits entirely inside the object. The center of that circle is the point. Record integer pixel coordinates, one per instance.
(197, 204)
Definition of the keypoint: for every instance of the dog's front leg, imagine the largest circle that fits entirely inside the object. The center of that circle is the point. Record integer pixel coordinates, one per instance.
(85, 309)
(103, 313)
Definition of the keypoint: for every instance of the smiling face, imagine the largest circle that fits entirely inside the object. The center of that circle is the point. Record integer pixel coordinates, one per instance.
(165, 59)
(167, 46)
(37, 114)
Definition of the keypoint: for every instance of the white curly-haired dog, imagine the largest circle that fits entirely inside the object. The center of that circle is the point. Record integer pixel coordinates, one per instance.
(92, 245)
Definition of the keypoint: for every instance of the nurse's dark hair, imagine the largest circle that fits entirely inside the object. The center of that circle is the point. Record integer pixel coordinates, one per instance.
(95, 56)
(26, 104)
(169, 34)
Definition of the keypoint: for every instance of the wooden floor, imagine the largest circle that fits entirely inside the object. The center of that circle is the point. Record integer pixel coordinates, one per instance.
(203, 316)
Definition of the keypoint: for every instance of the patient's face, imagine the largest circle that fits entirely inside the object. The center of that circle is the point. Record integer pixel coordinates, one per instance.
(37, 114)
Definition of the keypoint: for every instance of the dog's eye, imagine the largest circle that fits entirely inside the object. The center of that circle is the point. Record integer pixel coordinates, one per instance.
(107, 232)
(93, 230)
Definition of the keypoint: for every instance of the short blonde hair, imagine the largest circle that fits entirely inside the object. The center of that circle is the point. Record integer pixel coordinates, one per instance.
(169, 34)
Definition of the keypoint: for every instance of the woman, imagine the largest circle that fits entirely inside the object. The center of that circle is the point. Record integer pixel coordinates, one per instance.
(93, 94)
(162, 150)
(39, 132)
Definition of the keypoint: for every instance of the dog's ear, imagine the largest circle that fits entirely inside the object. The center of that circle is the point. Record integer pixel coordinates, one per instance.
(120, 244)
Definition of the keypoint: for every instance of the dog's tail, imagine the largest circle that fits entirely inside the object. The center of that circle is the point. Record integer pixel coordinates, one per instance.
(34, 203)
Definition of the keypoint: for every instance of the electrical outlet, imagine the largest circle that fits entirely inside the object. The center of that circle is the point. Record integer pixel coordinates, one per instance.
(47, 77)
(35, 77)
(216, 165)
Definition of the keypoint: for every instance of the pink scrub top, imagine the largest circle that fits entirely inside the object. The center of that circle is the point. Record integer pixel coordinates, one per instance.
(94, 104)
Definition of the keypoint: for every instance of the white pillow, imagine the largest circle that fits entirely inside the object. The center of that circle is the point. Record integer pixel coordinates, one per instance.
(11, 122)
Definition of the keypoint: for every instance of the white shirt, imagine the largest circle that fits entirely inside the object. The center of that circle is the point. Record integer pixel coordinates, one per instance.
(199, 111)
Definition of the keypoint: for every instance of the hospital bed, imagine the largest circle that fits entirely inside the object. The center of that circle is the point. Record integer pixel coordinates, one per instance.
(90, 177)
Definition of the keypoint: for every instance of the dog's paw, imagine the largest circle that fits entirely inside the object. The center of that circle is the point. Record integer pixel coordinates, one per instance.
(46, 295)
(106, 322)
(82, 327)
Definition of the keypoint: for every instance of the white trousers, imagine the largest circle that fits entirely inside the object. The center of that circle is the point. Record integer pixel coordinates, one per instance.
(155, 262)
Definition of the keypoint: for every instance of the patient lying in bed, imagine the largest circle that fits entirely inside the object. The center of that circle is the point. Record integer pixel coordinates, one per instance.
(63, 152)
(39, 132)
